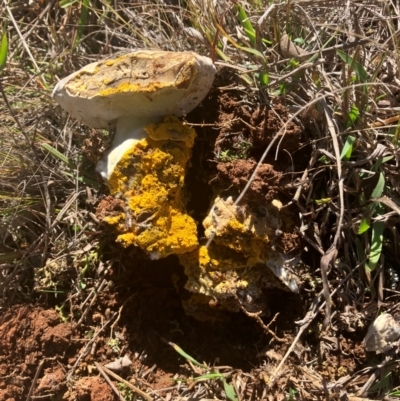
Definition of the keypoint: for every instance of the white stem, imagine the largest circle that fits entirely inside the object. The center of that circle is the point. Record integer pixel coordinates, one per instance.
(129, 131)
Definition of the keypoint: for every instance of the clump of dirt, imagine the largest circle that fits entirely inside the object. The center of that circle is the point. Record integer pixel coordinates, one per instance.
(234, 127)
(235, 175)
(94, 145)
(246, 120)
(91, 388)
(29, 336)
(109, 206)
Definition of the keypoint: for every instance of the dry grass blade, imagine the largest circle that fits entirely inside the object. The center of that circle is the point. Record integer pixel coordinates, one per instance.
(120, 379)
(331, 254)
(89, 344)
(38, 371)
(101, 369)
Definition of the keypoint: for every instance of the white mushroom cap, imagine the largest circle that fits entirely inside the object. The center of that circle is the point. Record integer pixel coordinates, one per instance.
(132, 91)
(147, 84)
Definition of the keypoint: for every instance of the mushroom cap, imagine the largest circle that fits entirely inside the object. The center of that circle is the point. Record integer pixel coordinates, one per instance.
(146, 83)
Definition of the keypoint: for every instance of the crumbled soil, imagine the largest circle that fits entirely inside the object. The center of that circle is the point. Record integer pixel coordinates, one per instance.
(139, 308)
(236, 174)
(30, 335)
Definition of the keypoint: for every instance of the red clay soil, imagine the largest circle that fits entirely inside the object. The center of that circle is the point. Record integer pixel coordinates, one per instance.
(28, 336)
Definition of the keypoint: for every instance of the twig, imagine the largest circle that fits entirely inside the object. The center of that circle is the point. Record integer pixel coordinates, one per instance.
(130, 385)
(96, 292)
(309, 317)
(256, 317)
(311, 314)
(88, 345)
(38, 370)
(330, 255)
(107, 379)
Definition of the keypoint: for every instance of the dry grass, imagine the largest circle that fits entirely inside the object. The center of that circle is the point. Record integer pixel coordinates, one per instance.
(335, 64)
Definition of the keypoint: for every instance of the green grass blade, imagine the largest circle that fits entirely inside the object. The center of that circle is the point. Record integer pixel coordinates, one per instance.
(83, 179)
(209, 376)
(347, 148)
(56, 153)
(263, 78)
(364, 226)
(229, 390)
(82, 21)
(380, 186)
(353, 116)
(358, 68)
(181, 352)
(376, 244)
(246, 24)
(3, 51)
(243, 48)
(252, 51)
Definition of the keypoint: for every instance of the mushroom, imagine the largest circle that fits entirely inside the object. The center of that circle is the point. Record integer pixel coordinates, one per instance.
(141, 94)
(132, 91)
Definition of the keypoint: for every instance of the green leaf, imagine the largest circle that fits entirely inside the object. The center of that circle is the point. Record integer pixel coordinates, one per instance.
(299, 41)
(376, 244)
(380, 186)
(209, 376)
(353, 116)
(3, 51)
(364, 226)
(323, 201)
(181, 352)
(229, 390)
(387, 158)
(347, 148)
(263, 78)
(246, 24)
(358, 68)
(56, 153)
(252, 51)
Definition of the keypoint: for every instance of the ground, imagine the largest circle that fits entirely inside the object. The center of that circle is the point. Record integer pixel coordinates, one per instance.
(73, 300)
(147, 295)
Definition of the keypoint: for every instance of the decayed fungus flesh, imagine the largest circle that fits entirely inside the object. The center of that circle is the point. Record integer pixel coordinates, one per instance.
(241, 261)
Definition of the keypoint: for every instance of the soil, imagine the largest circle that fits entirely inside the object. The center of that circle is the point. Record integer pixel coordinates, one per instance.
(138, 310)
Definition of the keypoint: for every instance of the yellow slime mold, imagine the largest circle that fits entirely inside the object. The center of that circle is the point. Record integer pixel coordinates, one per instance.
(240, 261)
(150, 179)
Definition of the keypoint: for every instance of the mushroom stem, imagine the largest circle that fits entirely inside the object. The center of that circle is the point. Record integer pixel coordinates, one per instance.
(129, 131)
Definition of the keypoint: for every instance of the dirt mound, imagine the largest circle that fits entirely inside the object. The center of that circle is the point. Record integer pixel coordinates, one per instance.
(28, 336)
(236, 174)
